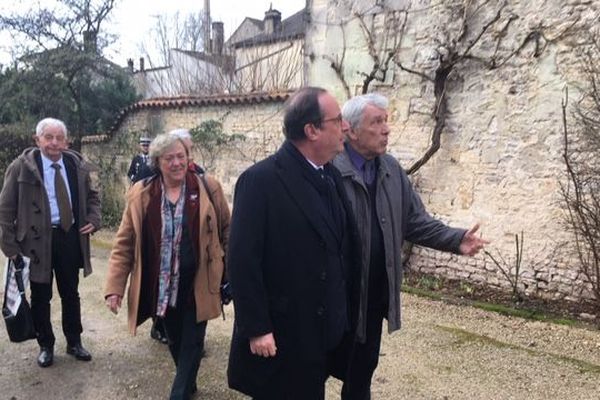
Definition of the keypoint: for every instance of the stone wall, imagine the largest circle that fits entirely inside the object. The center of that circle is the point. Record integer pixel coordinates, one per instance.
(258, 121)
(500, 158)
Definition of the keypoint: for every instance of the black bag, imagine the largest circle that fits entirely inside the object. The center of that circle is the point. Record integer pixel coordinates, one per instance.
(19, 326)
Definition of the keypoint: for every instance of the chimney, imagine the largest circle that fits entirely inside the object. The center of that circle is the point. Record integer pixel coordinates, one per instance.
(272, 21)
(130, 65)
(206, 26)
(142, 64)
(89, 42)
(217, 41)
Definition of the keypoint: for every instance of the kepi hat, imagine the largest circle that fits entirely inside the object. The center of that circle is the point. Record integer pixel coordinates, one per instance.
(145, 140)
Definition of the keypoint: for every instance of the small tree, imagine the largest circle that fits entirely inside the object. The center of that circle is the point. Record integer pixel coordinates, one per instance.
(12, 143)
(511, 270)
(210, 140)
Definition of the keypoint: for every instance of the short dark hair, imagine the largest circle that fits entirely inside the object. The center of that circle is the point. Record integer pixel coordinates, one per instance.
(301, 109)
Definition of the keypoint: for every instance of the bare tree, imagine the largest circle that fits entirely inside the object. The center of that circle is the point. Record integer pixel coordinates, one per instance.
(66, 40)
(581, 145)
(337, 61)
(469, 30)
(62, 24)
(180, 66)
(268, 67)
(176, 31)
(176, 62)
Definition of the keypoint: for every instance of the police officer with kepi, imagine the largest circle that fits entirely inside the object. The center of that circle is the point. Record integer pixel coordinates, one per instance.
(139, 161)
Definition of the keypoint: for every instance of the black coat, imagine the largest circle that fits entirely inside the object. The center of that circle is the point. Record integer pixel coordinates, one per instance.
(136, 166)
(282, 243)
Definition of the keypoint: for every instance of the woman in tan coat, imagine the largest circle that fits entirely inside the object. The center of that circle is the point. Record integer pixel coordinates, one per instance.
(171, 241)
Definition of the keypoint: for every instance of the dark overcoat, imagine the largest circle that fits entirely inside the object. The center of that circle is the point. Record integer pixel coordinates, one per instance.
(280, 245)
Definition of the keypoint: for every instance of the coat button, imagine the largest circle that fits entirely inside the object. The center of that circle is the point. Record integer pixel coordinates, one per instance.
(323, 276)
(320, 311)
(383, 220)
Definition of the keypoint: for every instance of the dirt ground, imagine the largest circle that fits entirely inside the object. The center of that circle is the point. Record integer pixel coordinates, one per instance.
(444, 351)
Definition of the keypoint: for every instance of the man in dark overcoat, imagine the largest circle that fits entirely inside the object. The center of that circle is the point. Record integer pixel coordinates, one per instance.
(291, 245)
(48, 209)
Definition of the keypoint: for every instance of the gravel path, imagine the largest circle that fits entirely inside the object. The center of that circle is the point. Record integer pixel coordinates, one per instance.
(443, 352)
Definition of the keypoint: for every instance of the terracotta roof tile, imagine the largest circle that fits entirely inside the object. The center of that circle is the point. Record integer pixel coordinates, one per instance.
(199, 101)
(95, 139)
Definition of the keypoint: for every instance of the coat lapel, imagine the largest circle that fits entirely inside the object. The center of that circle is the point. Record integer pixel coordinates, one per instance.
(295, 178)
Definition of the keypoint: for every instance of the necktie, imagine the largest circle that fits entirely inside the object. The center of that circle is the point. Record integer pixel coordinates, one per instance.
(62, 198)
(333, 202)
(369, 172)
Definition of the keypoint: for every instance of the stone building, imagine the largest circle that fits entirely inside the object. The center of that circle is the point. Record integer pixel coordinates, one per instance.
(257, 117)
(187, 71)
(495, 73)
(490, 78)
(269, 54)
(261, 55)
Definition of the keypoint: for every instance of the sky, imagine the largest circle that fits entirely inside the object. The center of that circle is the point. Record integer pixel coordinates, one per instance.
(131, 20)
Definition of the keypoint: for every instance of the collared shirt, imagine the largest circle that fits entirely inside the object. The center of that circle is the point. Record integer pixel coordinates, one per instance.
(366, 168)
(315, 166)
(49, 185)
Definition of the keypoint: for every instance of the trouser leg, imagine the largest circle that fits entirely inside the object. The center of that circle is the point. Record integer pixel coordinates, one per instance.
(296, 381)
(41, 294)
(66, 260)
(363, 360)
(186, 342)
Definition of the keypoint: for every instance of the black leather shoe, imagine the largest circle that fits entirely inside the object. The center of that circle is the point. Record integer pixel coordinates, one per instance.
(158, 334)
(46, 357)
(79, 352)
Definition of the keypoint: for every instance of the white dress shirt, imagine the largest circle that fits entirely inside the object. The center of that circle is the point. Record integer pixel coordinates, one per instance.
(49, 185)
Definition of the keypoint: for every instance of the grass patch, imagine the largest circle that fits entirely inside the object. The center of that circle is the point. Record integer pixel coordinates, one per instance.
(466, 337)
(101, 243)
(422, 292)
(534, 315)
(530, 314)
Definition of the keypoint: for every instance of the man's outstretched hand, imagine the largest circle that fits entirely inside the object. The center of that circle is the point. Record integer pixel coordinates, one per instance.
(471, 244)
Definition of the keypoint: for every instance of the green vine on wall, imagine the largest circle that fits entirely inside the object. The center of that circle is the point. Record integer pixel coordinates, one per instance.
(210, 140)
(110, 177)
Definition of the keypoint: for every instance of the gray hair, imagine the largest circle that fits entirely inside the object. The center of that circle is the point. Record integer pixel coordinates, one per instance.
(354, 108)
(48, 122)
(160, 144)
(181, 133)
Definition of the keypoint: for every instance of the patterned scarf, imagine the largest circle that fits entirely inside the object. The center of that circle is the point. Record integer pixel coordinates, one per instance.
(170, 239)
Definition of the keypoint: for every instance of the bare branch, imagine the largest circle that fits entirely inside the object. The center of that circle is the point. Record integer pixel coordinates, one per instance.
(485, 28)
(414, 72)
(338, 64)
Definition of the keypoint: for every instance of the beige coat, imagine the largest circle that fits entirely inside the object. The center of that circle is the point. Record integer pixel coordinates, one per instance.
(126, 256)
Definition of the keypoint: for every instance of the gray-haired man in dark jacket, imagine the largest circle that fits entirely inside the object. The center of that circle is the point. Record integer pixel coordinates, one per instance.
(388, 211)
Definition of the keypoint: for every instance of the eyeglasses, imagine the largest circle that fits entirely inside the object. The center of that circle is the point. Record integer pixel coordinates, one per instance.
(337, 120)
(170, 159)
